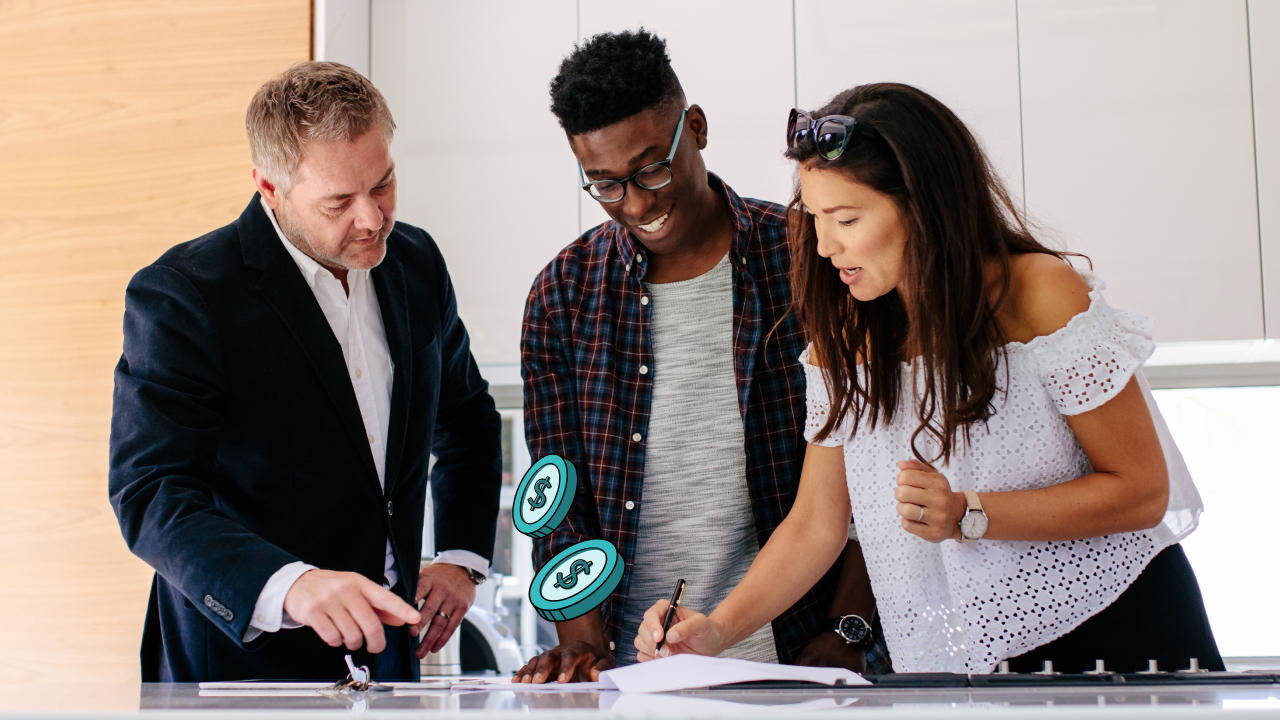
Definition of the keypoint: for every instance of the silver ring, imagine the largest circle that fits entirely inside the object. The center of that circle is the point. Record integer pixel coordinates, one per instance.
(442, 614)
(921, 518)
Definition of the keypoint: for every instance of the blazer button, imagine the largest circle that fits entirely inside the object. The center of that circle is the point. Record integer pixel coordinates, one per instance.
(208, 601)
(391, 508)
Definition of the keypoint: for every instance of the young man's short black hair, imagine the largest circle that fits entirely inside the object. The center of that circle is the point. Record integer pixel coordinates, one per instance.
(611, 77)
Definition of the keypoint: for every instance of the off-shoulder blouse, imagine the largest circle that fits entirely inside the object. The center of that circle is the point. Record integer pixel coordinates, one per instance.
(965, 607)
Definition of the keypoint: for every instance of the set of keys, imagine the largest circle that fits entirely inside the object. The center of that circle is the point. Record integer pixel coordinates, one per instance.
(357, 681)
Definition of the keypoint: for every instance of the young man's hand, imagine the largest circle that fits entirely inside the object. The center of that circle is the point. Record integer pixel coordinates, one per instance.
(830, 650)
(577, 661)
(581, 656)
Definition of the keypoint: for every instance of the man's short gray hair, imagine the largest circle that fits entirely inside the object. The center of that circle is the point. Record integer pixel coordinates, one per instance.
(311, 100)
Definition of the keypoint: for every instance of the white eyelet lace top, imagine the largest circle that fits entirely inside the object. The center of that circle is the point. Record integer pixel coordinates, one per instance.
(965, 607)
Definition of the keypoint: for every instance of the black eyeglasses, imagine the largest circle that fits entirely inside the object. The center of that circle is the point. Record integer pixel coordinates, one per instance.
(830, 134)
(653, 176)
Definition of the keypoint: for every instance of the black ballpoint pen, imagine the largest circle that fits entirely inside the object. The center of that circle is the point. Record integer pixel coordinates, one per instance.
(671, 613)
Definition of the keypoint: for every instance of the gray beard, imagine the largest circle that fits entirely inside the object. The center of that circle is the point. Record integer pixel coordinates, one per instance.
(295, 234)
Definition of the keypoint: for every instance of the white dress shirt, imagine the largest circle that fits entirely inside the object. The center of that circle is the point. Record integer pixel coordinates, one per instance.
(356, 321)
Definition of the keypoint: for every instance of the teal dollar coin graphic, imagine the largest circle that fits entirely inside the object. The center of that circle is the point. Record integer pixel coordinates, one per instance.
(544, 496)
(579, 566)
(576, 580)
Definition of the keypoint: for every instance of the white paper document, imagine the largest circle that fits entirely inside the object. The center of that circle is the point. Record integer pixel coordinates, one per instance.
(551, 687)
(682, 672)
(671, 703)
(267, 688)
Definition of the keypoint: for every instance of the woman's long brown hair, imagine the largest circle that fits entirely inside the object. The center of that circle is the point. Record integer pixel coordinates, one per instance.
(958, 217)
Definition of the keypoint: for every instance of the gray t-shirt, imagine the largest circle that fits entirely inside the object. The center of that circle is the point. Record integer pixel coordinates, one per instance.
(695, 514)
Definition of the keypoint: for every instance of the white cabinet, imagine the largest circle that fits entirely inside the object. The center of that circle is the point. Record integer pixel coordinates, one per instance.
(734, 59)
(1127, 127)
(1264, 41)
(482, 164)
(963, 52)
(1138, 141)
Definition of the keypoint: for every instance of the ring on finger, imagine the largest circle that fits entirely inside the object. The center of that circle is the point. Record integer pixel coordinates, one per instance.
(921, 518)
(445, 615)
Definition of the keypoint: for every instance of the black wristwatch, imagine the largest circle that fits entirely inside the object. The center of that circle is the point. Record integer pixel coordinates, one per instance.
(853, 630)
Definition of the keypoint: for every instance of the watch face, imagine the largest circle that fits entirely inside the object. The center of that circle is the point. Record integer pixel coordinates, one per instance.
(974, 525)
(853, 629)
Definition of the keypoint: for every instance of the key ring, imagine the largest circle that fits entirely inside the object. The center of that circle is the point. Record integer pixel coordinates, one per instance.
(357, 680)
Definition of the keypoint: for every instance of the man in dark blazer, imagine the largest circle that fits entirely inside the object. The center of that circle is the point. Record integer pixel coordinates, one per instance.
(284, 382)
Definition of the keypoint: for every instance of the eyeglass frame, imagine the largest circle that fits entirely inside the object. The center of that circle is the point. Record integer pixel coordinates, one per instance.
(675, 144)
(850, 125)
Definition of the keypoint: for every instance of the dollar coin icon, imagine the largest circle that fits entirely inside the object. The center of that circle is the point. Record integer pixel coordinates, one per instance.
(576, 580)
(544, 496)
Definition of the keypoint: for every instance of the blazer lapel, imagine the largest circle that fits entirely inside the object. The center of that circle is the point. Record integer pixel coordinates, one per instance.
(287, 292)
(388, 282)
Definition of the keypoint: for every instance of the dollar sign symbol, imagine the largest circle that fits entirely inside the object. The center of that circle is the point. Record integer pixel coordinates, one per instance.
(538, 487)
(579, 566)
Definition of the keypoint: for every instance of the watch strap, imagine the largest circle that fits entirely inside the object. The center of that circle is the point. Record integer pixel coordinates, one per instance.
(972, 498)
(974, 505)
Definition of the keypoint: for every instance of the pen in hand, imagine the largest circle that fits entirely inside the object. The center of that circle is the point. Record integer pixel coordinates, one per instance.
(671, 614)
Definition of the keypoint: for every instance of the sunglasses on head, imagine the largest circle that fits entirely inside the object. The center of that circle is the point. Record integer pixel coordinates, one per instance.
(831, 135)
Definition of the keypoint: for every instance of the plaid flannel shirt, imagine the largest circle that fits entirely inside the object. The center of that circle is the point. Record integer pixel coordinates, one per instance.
(586, 334)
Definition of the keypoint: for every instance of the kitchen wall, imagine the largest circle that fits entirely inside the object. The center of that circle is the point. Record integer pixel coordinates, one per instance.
(121, 134)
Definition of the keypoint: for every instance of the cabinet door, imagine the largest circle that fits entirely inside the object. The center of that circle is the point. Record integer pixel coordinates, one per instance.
(481, 161)
(734, 59)
(1138, 141)
(1264, 44)
(963, 52)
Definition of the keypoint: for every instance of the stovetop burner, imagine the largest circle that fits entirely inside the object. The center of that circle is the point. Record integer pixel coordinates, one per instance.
(1099, 676)
(1046, 678)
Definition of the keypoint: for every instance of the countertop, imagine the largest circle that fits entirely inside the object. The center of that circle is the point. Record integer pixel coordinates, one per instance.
(160, 701)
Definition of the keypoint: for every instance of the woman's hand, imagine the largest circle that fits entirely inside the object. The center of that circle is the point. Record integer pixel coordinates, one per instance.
(691, 633)
(926, 502)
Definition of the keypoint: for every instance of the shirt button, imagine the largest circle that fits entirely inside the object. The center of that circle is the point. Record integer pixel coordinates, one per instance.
(391, 508)
(370, 439)
(644, 300)
(359, 372)
(630, 505)
(611, 647)
(628, 267)
(743, 258)
(644, 369)
(636, 437)
(640, 257)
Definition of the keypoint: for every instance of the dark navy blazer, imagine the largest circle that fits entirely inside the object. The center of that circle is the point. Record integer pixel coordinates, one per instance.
(237, 444)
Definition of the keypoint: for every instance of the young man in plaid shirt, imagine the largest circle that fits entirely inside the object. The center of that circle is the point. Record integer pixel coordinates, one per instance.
(658, 356)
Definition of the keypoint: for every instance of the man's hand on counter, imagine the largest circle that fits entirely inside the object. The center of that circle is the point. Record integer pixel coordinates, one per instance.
(446, 592)
(580, 657)
(346, 608)
(830, 650)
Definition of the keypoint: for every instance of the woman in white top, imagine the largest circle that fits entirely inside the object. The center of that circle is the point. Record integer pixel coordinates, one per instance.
(977, 406)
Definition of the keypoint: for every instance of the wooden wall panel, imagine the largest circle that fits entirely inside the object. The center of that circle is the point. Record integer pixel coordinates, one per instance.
(121, 134)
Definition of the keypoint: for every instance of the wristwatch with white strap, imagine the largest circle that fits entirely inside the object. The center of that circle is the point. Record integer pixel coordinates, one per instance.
(974, 523)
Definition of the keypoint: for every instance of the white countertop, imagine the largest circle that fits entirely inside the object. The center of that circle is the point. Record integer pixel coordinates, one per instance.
(162, 701)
